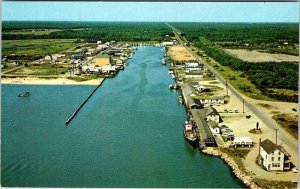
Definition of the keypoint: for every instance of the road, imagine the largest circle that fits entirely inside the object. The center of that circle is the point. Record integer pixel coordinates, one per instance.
(267, 120)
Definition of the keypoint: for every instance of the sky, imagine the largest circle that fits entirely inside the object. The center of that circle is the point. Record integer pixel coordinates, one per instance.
(150, 11)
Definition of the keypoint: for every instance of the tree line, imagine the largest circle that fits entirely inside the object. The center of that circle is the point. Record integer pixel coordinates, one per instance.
(91, 31)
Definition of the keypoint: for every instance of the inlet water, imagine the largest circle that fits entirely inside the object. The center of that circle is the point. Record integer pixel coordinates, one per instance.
(129, 134)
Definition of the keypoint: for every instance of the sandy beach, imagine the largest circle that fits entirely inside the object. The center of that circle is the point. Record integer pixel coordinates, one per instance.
(39, 81)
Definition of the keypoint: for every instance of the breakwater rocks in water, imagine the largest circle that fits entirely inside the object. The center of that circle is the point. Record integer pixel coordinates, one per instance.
(246, 179)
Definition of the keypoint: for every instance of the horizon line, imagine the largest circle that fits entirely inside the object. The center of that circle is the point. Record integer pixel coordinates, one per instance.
(151, 21)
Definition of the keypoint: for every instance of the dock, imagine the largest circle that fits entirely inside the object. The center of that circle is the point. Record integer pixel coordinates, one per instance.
(82, 104)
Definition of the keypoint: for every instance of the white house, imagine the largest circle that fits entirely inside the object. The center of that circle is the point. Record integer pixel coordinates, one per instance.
(99, 42)
(168, 43)
(108, 68)
(213, 126)
(273, 157)
(191, 64)
(212, 100)
(102, 47)
(212, 114)
(47, 57)
(242, 141)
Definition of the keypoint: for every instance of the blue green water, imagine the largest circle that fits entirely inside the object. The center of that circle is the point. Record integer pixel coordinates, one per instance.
(129, 134)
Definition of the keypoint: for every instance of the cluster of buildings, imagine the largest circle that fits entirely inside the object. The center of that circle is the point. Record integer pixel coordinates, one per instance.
(107, 58)
(207, 120)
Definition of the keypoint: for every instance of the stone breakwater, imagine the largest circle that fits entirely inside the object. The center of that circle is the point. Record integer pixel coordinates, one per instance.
(246, 179)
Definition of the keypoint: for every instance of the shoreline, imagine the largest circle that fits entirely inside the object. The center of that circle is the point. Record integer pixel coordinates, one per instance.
(244, 177)
(56, 81)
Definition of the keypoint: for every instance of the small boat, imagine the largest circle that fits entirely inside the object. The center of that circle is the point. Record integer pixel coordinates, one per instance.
(163, 61)
(179, 99)
(173, 76)
(171, 86)
(170, 72)
(26, 94)
(191, 135)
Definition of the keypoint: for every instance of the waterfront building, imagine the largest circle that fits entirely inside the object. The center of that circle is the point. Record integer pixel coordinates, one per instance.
(242, 141)
(213, 126)
(206, 136)
(211, 114)
(102, 59)
(273, 157)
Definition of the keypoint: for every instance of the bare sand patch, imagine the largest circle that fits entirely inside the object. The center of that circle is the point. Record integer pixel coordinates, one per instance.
(256, 56)
(179, 53)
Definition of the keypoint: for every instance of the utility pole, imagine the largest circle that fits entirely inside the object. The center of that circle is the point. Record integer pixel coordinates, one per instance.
(243, 105)
(226, 88)
(276, 137)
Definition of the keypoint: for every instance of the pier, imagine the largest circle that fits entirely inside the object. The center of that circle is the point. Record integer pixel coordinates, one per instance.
(82, 104)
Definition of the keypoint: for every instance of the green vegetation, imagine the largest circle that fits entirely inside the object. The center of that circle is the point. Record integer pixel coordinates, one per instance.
(268, 184)
(255, 131)
(91, 31)
(237, 154)
(289, 122)
(83, 78)
(32, 32)
(40, 69)
(267, 36)
(35, 49)
(261, 80)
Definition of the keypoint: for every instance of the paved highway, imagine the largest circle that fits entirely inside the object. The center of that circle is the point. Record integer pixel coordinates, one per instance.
(268, 121)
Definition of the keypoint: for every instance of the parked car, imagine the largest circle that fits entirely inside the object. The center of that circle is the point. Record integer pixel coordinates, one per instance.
(230, 111)
(225, 110)
(295, 170)
(236, 111)
(294, 109)
(248, 116)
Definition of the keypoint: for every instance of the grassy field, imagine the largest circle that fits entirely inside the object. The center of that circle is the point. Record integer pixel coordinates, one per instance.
(41, 69)
(236, 79)
(37, 47)
(30, 32)
(83, 78)
(288, 122)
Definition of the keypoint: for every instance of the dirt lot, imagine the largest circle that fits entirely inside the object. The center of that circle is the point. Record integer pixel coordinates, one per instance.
(256, 56)
(179, 53)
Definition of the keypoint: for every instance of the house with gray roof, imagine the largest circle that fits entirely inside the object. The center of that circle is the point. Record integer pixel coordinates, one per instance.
(273, 157)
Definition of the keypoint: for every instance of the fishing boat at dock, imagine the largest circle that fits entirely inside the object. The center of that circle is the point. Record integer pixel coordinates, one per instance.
(173, 86)
(190, 135)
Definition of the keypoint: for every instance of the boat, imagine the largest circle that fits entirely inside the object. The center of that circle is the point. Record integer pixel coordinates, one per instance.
(171, 86)
(179, 99)
(173, 76)
(191, 135)
(163, 61)
(26, 94)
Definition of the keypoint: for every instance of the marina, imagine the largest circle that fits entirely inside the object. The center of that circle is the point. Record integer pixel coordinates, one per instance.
(134, 109)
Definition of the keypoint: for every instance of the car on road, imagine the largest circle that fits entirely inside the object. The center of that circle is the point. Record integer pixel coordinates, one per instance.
(236, 111)
(295, 170)
(230, 111)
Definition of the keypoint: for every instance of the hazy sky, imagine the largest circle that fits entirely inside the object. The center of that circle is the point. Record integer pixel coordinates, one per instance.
(147, 11)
